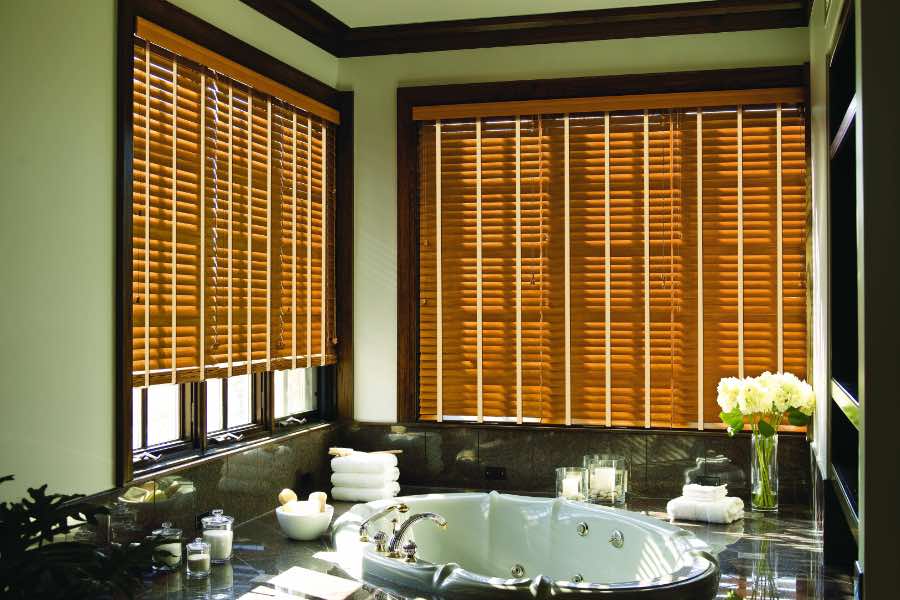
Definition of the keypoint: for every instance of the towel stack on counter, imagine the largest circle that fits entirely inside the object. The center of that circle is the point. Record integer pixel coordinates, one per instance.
(708, 503)
(362, 477)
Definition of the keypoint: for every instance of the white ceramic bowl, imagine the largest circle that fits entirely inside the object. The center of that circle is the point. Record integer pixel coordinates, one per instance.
(306, 526)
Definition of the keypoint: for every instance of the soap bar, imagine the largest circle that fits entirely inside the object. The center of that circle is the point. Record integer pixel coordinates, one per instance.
(286, 496)
(320, 499)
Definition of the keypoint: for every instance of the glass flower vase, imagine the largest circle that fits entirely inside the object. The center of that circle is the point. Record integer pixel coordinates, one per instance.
(764, 472)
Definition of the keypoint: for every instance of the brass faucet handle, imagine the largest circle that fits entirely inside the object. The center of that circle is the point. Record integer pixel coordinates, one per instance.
(409, 549)
(380, 540)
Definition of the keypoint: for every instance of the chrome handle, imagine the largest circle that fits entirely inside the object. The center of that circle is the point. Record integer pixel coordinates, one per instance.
(409, 549)
(147, 456)
(380, 540)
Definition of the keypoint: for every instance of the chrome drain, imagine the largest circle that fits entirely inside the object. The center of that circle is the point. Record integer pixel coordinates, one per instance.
(577, 578)
(517, 571)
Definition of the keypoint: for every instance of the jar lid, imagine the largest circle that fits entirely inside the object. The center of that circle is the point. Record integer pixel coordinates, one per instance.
(198, 545)
(217, 519)
(167, 530)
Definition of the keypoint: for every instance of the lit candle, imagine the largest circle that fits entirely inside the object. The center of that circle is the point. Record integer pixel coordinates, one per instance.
(603, 480)
(571, 486)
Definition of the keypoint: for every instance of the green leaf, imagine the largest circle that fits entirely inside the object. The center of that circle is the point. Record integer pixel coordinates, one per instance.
(734, 420)
(766, 429)
(797, 418)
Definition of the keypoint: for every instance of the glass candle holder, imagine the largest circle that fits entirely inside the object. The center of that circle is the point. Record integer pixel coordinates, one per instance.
(218, 534)
(607, 477)
(198, 561)
(572, 483)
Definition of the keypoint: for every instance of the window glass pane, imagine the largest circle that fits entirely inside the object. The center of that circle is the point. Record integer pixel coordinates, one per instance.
(213, 404)
(136, 431)
(240, 405)
(163, 414)
(295, 391)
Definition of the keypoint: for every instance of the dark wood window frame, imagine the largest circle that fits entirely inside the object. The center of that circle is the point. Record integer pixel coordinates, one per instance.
(540, 89)
(335, 382)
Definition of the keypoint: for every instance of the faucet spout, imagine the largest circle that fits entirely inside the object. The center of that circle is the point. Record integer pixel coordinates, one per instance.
(397, 538)
(364, 526)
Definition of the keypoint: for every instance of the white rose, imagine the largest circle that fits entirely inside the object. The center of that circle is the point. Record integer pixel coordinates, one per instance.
(728, 390)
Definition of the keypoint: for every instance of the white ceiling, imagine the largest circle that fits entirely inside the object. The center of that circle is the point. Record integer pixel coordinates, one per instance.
(363, 13)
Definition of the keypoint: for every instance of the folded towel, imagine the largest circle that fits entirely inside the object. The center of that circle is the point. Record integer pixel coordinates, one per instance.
(365, 494)
(359, 462)
(365, 480)
(724, 510)
(704, 492)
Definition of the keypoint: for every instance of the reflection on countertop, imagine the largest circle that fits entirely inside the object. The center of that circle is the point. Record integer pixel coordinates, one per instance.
(764, 556)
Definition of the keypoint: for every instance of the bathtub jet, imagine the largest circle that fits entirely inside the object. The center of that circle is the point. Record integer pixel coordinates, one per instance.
(506, 546)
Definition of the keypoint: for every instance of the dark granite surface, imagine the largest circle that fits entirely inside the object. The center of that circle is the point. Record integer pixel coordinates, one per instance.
(660, 461)
(763, 556)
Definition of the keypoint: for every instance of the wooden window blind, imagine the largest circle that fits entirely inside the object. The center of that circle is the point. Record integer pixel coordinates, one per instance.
(608, 267)
(232, 224)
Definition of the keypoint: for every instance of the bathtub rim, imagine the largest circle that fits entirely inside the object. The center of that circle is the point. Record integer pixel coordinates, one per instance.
(701, 566)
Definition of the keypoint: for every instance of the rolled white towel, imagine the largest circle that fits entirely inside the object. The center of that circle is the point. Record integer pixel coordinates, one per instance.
(695, 491)
(724, 510)
(365, 480)
(348, 494)
(359, 462)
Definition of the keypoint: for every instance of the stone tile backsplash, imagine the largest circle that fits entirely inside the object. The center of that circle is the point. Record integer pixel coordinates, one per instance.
(455, 456)
(246, 484)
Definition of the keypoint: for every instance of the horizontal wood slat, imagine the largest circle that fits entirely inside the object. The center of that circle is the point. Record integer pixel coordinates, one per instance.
(196, 53)
(233, 217)
(787, 95)
(621, 250)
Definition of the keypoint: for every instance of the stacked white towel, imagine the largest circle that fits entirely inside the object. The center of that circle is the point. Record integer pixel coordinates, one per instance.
(705, 503)
(362, 477)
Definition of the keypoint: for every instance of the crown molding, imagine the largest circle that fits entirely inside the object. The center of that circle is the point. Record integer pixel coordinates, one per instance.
(308, 20)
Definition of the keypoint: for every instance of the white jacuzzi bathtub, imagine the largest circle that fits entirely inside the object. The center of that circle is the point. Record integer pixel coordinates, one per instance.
(505, 546)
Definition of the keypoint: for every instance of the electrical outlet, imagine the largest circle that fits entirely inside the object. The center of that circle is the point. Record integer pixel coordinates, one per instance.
(495, 473)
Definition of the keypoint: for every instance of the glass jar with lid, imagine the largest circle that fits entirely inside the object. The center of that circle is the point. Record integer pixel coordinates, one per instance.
(167, 551)
(218, 534)
(198, 561)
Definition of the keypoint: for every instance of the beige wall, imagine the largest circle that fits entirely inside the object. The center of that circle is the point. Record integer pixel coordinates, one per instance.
(374, 81)
(57, 203)
(57, 230)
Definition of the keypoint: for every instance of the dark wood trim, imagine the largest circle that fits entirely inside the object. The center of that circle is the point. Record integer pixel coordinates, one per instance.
(580, 26)
(124, 160)
(307, 20)
(186, 25)
(343, 264)
(407, 259)
(540, 89)
(197, 30)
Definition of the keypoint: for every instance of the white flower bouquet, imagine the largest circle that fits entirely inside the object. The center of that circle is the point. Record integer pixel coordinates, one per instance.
(764, 402)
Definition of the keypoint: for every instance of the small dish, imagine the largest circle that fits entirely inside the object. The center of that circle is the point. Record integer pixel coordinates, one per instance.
(304, 526)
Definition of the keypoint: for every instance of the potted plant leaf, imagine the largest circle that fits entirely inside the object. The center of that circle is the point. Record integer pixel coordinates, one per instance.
(34, 563)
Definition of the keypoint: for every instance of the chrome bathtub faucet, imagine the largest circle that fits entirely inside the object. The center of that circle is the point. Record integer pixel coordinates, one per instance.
(409, 549)
(364, 526)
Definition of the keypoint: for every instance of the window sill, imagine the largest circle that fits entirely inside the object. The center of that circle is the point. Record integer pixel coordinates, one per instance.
(791, 431)
(195, 457)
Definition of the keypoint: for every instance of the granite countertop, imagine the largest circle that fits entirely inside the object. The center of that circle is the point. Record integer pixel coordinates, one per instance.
(774, 555)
